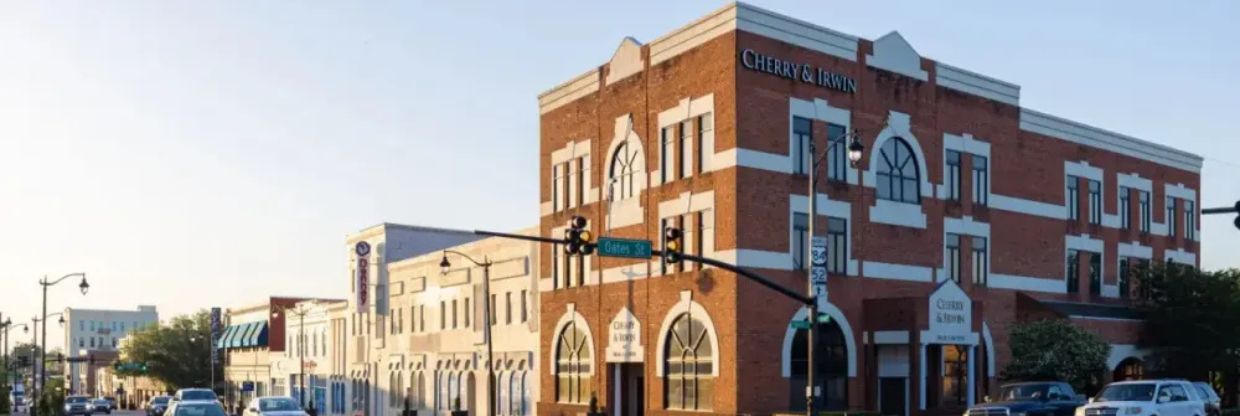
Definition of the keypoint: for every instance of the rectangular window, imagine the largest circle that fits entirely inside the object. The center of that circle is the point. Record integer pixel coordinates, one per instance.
(1095, 202)
(981, 180)
(555, 267)
(493, 309)
(951, 244)
(980, 263)
(1125, 209)
(453, 313)
(1143, 203)
(1190, 220)
(1073, 194)
(707, 245)
(837, 151)
(686, 149)
(668, 153)
(1074, 273)
(422, 318)
(688, 237)
(1124, 273)
(467, 312)
(1170, 217)
(579, 183)
(508, 308)
(802, 131)
(800, 241)
(1095, 274)
(953, 175)
(524, 308)
(555, 187)
(705, 142)
(443, 315)
(837, 245)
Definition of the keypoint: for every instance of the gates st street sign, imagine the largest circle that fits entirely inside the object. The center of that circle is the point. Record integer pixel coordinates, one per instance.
(622, 247)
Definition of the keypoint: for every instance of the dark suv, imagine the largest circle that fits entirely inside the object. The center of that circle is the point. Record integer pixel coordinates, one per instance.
(1039, 398)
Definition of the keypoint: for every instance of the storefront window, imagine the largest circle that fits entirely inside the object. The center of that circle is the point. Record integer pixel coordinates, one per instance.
(689, 361)
(832, 362)
(955, 375)
(573, 358)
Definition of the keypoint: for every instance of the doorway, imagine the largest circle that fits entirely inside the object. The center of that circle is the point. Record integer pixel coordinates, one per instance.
(628, 392)
(892, 393)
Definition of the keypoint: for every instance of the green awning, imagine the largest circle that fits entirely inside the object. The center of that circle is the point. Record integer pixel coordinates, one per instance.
(258, 335)
(245, 335)
(222, 341)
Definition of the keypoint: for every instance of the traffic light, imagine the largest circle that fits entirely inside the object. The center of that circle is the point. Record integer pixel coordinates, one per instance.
(673, 250)
(1236, 221)
(578, 239)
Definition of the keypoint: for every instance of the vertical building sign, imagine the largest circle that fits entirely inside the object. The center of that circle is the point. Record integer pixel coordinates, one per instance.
(215, 334)
(362, 249)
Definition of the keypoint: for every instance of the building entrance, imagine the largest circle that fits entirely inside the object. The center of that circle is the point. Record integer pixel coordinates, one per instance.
(628, 390)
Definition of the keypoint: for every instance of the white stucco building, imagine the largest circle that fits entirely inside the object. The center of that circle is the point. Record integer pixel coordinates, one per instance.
(438, 352)
(99, 329)
(309, 338)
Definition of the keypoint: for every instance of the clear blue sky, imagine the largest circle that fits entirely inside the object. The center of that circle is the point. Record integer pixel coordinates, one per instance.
(188, 154)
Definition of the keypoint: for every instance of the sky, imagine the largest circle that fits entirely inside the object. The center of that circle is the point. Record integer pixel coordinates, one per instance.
(193, 154)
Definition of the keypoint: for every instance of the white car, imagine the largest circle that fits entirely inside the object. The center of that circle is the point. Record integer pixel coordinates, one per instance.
(1146, 398)
(274, 406)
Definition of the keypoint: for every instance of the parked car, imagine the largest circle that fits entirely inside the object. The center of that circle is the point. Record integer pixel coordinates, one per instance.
(78, 405)
(195, 408)
(195, 395)
(157, 405)
(1146, 398)
(274, 406)
(1214, 404)
(101, 405)
(1038, 398)
(111, 402)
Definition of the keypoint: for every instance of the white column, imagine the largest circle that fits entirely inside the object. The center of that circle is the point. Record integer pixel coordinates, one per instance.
(972, 355)
(921, 374)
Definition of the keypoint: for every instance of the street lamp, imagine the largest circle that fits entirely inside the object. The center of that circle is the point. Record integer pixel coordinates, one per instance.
(5, 326)
(299, 311)
(855, 151)
(485, 264)
(45, 283)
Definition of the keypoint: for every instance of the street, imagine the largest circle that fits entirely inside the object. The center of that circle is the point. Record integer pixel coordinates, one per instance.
(114, 413)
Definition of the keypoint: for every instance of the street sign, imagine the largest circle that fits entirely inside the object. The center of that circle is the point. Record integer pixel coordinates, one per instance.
(801, 324)
(247, 386)
(818, 252)
(623, 247)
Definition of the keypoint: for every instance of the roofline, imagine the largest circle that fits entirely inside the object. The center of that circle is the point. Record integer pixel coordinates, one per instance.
(384, 226)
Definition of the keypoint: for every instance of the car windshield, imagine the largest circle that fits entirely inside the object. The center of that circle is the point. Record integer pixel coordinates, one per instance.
(210, 409)
(277, 405)
(160, 400)
(1126, 393)
(197, 395)
(1025, 392)
(1204, 390)
(78, 399)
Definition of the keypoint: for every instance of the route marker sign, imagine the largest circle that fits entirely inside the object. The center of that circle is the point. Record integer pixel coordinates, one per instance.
(623, 247)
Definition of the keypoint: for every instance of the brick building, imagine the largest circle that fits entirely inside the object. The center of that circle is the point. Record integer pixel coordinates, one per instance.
(966, 213)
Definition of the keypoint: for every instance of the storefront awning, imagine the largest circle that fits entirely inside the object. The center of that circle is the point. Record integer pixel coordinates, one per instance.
(222, 341)
(246, 335)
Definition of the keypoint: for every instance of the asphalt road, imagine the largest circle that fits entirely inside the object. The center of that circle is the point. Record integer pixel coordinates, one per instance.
(114, 413)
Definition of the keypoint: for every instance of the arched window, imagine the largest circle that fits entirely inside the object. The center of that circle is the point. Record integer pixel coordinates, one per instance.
(898, 176)
(831, 360)
(623, 172)
(502, 406)
(1129, 369)
(689, 360)
(572, 361)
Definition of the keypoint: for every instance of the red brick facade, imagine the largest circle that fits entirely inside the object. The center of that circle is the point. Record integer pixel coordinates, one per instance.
(752, 200)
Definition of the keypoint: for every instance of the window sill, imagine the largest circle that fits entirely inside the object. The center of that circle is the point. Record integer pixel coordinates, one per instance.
(898, 213)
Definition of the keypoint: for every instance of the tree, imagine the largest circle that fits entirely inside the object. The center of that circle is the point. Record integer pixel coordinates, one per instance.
(177, 354)
(1192, 321)
(1055, 349)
